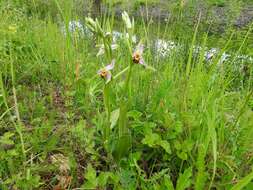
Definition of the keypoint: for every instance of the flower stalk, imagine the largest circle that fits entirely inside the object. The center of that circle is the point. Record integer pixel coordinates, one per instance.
(122, 144)
(107, 105)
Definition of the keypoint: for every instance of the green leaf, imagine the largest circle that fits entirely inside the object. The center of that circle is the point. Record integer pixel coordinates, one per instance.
(151, 139)
(187, 145)
(249, 186)
(121, 146)
(123, 129)
(90, 173)
(134, 114)
(166, 146)
(177, 145)
(127, 179)
(114, 117)
(182, 155)
(184, 180)
(212, 133)
(91, 178)
(103, 178)
(5, 139)
(178, 127)
(135, 156)
(201, 175)
(168, 183)
(243, 182)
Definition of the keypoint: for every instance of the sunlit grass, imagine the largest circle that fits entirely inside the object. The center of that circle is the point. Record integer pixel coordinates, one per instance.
(127, 118)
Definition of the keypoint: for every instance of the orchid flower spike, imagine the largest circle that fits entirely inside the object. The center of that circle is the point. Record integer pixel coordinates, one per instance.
(137, 55)
(129, 24)
(105, 72)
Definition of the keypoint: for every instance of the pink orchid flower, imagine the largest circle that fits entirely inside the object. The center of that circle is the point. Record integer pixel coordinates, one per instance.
(105, 72)
(137, 55)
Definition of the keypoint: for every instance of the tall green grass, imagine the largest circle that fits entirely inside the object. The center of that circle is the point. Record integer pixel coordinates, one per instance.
(190, 121)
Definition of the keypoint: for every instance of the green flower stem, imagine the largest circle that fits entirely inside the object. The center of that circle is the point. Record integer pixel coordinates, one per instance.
(114, 78)
(121, 72)
(108, 111)
(123, 118)
(18, 126)
(129, 44)
(124, 104)
(107, 47)
(124, 140)
(126, 90)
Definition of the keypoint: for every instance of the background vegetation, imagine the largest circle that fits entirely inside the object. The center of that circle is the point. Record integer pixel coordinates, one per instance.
(184, 122)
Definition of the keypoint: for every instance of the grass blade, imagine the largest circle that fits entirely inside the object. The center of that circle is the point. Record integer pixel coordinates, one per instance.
(243, 182)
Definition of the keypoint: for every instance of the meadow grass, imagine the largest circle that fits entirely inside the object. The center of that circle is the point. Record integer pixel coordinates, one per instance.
(181, 122)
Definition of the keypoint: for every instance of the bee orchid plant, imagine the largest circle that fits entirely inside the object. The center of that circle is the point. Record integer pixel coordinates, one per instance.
(122, 142)
(105, 72)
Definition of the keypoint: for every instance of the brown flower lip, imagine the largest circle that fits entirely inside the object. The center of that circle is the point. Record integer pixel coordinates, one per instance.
(105, 72)
(137, 55)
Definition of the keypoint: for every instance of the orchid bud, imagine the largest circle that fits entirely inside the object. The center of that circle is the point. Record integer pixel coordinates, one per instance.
(91, 24)
(127, 20)
(99, 28)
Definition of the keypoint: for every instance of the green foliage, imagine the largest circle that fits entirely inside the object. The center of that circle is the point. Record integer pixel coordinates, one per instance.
(243, 182)
(181, 122)
(152, 139)
(184, 180)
